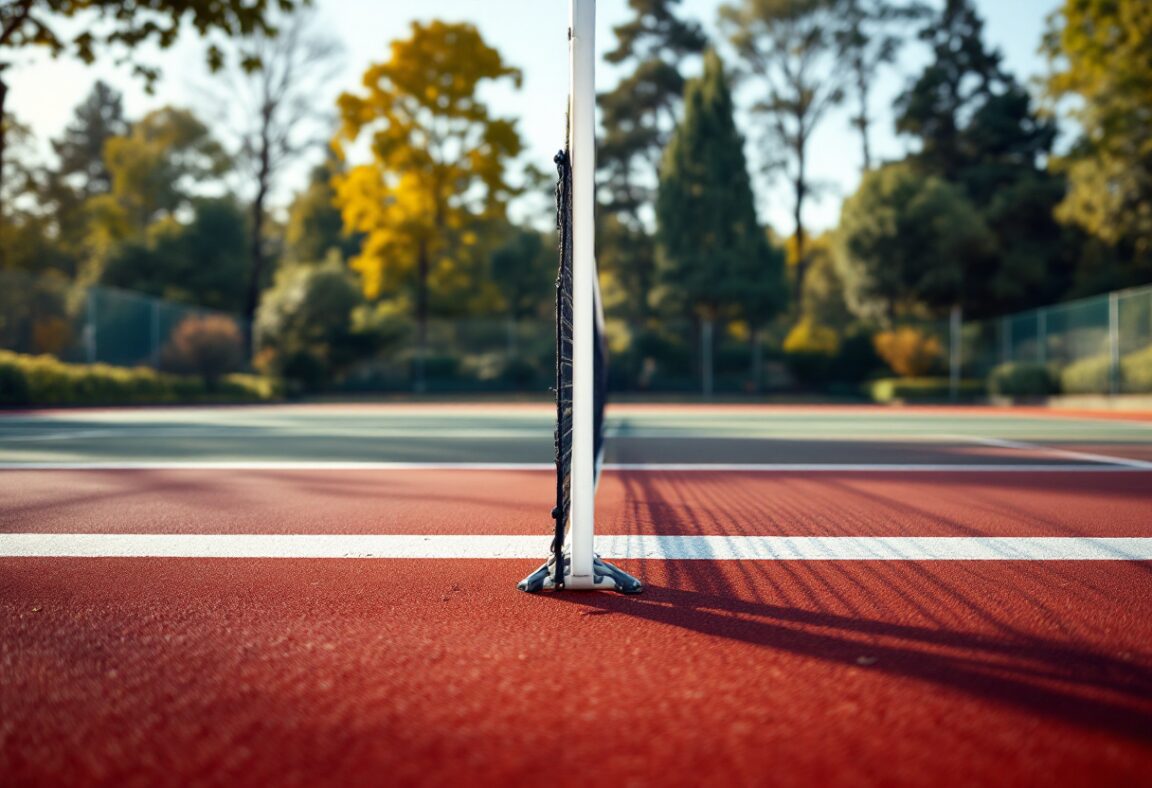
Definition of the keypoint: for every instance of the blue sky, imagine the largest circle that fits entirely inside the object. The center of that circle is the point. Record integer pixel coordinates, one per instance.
(530, 34)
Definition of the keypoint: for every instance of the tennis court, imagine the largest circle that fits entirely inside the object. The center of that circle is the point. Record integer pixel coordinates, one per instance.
(327, 593)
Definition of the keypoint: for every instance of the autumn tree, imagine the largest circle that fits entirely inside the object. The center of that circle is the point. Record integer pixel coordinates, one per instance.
(315, 228)
(438, 164)
(792, 47)
(1099, 53)
(81, 28)
(638, 115)
(274, 118)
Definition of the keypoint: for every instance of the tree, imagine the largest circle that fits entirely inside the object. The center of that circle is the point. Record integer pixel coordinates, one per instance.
(439, 159)
(275, 117)
(639, 113)
(792, 46)
(80, 148)
(81, 27)
(870, 36)
(905, 243)
(156, 170)
(1099, 53)
(712, 248)
(977, 128)
(203, 261)
(523, 270)
(315, 227)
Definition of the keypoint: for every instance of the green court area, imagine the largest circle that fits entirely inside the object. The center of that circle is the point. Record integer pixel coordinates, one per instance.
(522, 434)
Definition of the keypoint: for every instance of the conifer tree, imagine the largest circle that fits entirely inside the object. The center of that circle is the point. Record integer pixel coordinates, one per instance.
(714, 254)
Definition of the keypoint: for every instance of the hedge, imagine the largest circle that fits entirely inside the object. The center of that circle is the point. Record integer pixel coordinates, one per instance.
(923, 390)
(1021, 379)
(45, 380)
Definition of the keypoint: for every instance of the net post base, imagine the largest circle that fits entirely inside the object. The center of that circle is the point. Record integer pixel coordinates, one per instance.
(604, 577)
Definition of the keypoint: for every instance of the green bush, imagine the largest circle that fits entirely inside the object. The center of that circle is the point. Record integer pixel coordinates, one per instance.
(1087, 376)
(1136, 369)
(44, 380)
(1021, 380)
(923, 390)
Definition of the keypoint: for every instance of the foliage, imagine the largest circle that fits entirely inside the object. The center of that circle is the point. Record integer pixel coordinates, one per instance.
(823, 298)
(909, 352)
(904, 243)
(80, 149)
(209, 346)
(523, 272)
(1099, 53)
(203, 262)
(977, 129)
(810, 350)
(870, 39)
(438, 160)
(315, 227)
(639, 113)
(80, 27)
(792, 46)
(1136, 371)
(1017, 379)
(43, 380)
(156, 169)
(720, 261)
(1091, 375)
(923, 390)
(308, 328)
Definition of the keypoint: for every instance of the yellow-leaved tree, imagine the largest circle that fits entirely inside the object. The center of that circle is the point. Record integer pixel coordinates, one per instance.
(437, 172)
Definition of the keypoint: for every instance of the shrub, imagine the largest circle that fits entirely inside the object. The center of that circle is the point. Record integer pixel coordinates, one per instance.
(909, 352)
(810, 349)
(1087, 376)
(209, 346)
(1021, 380)
(43, 380)
(923, 390)
(1137, 371)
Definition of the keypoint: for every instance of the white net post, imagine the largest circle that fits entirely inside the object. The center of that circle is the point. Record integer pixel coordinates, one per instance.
(582, 135)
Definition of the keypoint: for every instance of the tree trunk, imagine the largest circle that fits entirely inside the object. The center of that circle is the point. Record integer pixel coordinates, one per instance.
(3, 154)
(801, 187)
(419, 383)
(257, 260)
(863, 121)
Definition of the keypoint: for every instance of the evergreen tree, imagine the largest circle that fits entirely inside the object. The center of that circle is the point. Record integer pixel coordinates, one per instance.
(638, 115)
(715, 256)
(977, 128)
(80, 149)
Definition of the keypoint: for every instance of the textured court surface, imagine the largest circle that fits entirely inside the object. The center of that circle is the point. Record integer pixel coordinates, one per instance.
(808, 671)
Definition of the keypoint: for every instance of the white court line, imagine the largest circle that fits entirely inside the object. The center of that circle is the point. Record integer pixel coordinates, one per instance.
(664, 467)
(709, 548)
(1055, 452)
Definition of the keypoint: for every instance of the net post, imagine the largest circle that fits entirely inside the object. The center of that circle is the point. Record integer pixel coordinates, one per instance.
(582, 32)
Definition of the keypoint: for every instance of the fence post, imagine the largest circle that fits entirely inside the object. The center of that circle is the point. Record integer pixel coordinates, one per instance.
(706, 356)
(1114, 342)
(90, 325)
(155, 332)
(954, 360)
(1042, 336)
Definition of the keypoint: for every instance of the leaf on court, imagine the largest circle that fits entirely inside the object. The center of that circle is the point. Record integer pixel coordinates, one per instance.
(865, 661)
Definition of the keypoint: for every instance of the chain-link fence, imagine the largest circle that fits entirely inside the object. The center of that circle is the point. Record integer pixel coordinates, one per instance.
(49, 315)
(1098, 345)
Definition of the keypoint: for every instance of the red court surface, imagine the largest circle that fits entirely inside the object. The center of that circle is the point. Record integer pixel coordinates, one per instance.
(929, 668)
(284, 672)
(1022, 503)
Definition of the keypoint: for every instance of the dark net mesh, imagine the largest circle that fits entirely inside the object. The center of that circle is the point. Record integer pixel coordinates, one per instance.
(564, 364)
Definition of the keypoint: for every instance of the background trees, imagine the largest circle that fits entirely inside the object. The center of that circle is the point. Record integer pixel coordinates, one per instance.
(439, 160)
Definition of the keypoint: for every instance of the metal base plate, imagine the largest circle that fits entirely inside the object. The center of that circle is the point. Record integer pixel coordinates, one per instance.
(604, 577)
